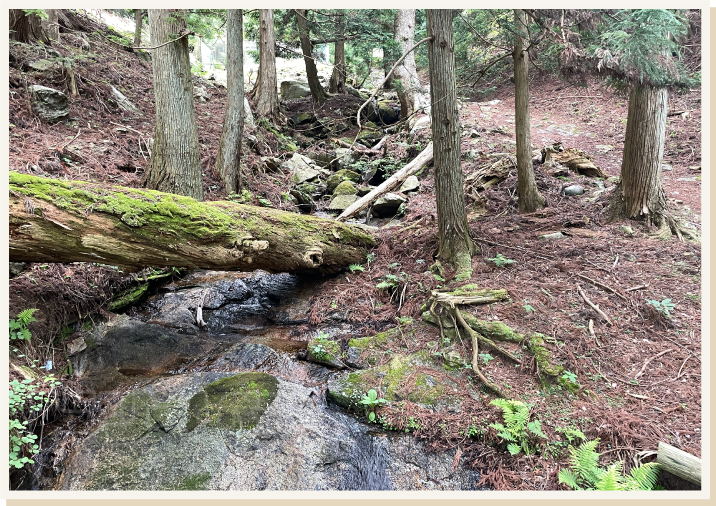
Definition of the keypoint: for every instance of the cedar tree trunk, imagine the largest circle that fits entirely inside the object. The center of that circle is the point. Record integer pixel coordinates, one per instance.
(337, 84)
(640, 194)
(529, 197)
(175, 165)
(317, 91)
(26, 28)
(51, 25)
(405, 73)
(456, 246)
(72, 221)
(138, 15)
(265, 92)
(229, 155)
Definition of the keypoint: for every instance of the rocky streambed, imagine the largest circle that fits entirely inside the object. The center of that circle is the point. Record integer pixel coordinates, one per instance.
(246, 403)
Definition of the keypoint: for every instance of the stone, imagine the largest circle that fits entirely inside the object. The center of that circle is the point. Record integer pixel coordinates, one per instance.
(421, 123)
(16, 268)
(382, 113)
(626, 229)
(410, 185)
(604, 148)
(388, 205)
(364, 190)
(302, 118)
(345, 188)
(304, 200)
(76, 345)
(342, 202)
(340, 176)
(552, 236)
(201, 94)
(454, 361)
(369, 138)
(50, 104)
(294, 89)
(474, 134)
(248, 115)
(346, 157)
(301, 168)
(574, 190)
(666, 167)
(43, 65)
(122, 101)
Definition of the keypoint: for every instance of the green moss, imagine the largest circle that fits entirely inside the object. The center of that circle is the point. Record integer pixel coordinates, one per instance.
(542, 355)
(127, 297)
(377, 341)
(345, 188)
(236, 402)
(194, 482)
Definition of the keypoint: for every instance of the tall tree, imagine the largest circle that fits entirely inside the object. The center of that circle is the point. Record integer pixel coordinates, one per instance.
(51, 24)
(138, 19)
(337, 83)
(317, 91)
(265, 92)
(26, 25)
(406, 76)
(528, 196)
(175, 165)
(229, 155)
(456, 246)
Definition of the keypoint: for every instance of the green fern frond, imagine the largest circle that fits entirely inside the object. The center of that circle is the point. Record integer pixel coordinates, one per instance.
(643, 477)
(513, 448)
(584, 461)
(611, 479)
(536, 428)
(567, 477)
(25, 317)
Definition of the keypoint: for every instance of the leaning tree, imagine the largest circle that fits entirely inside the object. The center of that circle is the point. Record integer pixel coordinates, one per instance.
(317, 92)
(456, 246)
(175, 164)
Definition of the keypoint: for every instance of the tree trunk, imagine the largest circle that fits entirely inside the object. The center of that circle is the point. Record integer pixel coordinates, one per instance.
(406, 73)
(388, 61)
(265, 92)
(51, 25)
(229, 156)
(528, 196)
(456, 246)
(337, 83)
(138, 15)
(175, 165)
(63, 221)
(640, 194)
(26, 28)
(317, 91)
(197, 51)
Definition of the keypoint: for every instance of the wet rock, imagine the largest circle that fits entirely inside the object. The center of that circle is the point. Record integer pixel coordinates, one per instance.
(303, 200)
(294, 89)
(388, 205)
(325, 352)
(340, 176)
(345, 188)
(410, 185)
(301, 119)
(51, 105)
(574, 190)
(341, 202)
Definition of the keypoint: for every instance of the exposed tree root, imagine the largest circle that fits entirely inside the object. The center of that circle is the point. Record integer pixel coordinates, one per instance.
(667, 226)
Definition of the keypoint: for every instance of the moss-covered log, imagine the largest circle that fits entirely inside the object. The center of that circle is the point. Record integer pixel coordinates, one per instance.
(72, 221)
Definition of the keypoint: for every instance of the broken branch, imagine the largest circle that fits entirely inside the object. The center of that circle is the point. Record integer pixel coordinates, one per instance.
(594, 306)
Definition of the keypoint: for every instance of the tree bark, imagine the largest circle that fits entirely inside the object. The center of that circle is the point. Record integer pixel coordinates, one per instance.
(229, 155)
(138, 15)
(265, 92)
(337, 84)
(175, 165)
(26, 28)
(406, 73)
(528, 196)
(51, 25)
(640, 194)
(61, 221)
(317, 91)
(456, 246)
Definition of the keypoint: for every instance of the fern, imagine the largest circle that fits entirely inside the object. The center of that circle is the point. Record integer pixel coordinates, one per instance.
(585, 473)
(516, 415)
(25, 317)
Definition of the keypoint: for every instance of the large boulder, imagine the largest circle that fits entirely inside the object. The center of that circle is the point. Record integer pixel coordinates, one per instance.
(388, 205)
(294, 89)
(340, 176)
(382, 112)
(342, 202)
(50, 104)
(345, 188)
(411, 184)
(301, 167)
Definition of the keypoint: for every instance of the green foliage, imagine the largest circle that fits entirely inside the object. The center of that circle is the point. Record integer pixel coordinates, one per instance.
(371, 401)
(501, 261)
(18, 327)
(664, 307)
(320, 350)
(356, 268)
(486, 357)
(570, 376)
(40, 13)
(585, 473)
(516, 415)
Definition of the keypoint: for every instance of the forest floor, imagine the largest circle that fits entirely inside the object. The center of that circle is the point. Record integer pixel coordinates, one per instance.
(645, 368)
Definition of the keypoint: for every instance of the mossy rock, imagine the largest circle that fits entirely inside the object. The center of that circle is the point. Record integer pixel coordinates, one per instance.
(236, 402)
(345, 188)
(325, 352)
(340, 176)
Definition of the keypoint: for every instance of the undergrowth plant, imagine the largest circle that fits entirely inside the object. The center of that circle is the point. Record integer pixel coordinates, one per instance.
(515, 431)
(664, 307)
(371, 401)
(501, 261)
(585, 473)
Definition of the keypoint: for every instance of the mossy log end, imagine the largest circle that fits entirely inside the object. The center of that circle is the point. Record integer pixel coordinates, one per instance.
(72, 221)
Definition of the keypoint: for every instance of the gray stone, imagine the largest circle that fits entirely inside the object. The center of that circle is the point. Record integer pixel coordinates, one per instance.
(666, 167)
(552, 236)
(43, 65)
(382, 113)
(342, 202)
(294, 89)
(388, 205)
(346, 157)
(301, 168)
(474, 134)
(340, 176)
(201, 94)
(248, 115)
(16, 268)
(122, 101)
(626, 229)
(574, 190)
(364, 190)
(410, 185)
(604, 148)
(51, 105)
(345, 188)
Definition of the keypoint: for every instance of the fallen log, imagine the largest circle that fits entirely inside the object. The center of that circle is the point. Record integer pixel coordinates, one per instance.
(678, 462)
(72, 221)
(393, 181)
